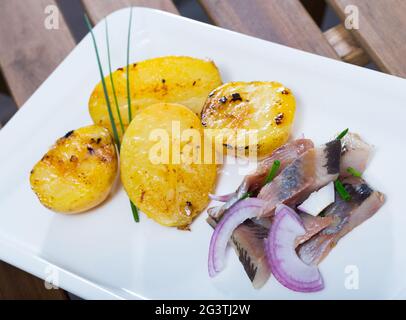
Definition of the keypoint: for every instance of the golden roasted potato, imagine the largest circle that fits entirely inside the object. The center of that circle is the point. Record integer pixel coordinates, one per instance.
(77, 173)
(168, 181)
(267, 109)
(183, 80)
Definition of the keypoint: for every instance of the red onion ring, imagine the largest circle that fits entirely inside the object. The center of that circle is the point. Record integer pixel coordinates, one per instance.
(285, 264)
(237, 214)
(222, 198)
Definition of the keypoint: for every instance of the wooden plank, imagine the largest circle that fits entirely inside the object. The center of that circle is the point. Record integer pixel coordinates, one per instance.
(285, 22)
(381, 32)
(98, 9)
(346, 47)
(29, 52)
(3, 86)
(17, 284)
(316, 8)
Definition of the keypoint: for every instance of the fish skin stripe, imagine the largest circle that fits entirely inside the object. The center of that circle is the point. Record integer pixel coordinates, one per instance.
(332, 153)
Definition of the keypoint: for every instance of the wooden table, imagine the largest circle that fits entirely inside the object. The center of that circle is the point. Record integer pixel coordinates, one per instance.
(29, 53)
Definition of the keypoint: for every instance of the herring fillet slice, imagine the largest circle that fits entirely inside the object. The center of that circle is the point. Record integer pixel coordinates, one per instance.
(313, 225)
(355, 154)
(248, 242)
(249, 245)
(286, 154)
(347, 215)
(248, 239)
(312, 170)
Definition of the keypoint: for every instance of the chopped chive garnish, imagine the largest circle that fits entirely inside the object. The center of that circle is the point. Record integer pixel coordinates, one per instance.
(342, 134)
(246, 195)
(128, 67)
(111, 80)
(113, 124)
(106, 96)
(354, 172)
(342, 191)
(273, 171)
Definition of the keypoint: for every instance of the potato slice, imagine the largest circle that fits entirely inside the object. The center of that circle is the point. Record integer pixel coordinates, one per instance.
(78, 172)
(265, 108)
(160, 177)
(183, 80)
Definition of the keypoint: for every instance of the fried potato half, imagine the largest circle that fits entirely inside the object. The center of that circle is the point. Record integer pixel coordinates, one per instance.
(183, 80)
(265, 108)
(78, 172)
(162, 164)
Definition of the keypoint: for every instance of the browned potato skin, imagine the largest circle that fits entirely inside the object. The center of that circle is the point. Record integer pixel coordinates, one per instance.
(78, 172)
(267, 108)
(170, 79)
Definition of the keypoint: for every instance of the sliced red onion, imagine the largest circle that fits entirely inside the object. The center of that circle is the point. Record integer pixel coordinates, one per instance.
(222, 198)
(237, 214)
(285, 264)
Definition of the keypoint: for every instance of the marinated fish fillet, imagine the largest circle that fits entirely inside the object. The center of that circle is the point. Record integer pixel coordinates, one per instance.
(346, 215)
(313, 226)
(249, 245)
(248, 242)
(310, 172)
(252, 183)
(355, 154)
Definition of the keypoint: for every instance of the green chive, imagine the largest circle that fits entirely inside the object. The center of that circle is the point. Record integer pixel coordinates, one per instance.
(106, 96)
(342, 134)
(130, 117)
(354, 172)
(111, 80)
(273, 171)
(246, 195)
(113, 124)
(134, 209)
(128, 67)
(342, 191)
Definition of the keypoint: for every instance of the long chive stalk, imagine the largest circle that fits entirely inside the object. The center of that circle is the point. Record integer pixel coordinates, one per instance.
(111, 79)
(106, 96)
(113, 124)
(133, 207)
(128, 67)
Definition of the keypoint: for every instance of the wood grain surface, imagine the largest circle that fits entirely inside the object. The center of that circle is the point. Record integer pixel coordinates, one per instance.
(29, 52)
(17, 284)
(98, 9)
(282, 21)
(346, 47)
(382, 31)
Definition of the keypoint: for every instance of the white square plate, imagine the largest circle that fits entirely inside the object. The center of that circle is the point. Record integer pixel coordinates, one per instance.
(104, 254)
